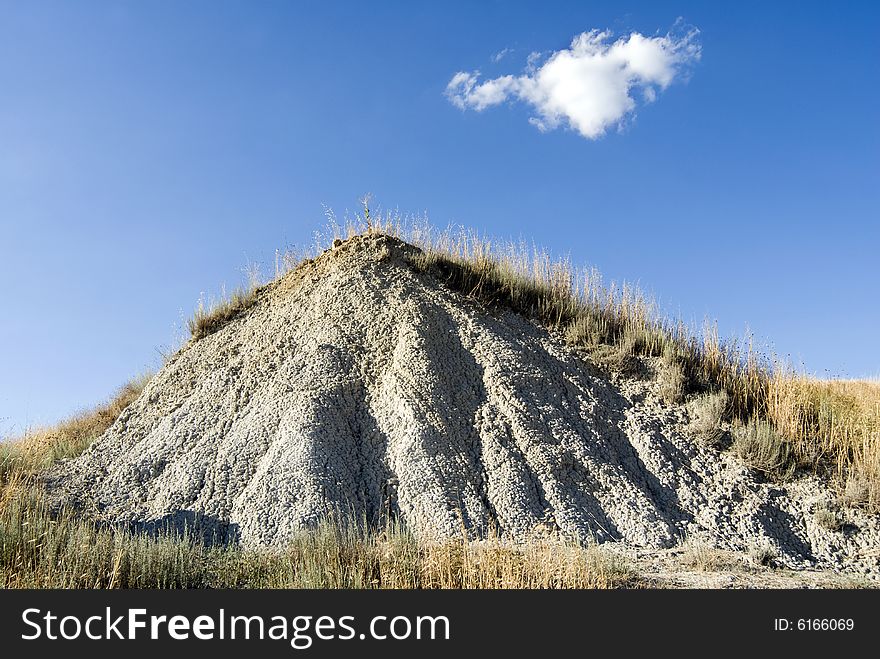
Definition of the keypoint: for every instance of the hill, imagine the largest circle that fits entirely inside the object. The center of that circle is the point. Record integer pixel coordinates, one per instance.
(361, 385)
(406, 406)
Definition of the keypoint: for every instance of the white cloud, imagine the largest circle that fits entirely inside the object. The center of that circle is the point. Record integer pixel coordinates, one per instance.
(588, 86)
(501, 54)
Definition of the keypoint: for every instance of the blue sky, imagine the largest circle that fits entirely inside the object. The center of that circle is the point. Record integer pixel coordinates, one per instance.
(148, 151)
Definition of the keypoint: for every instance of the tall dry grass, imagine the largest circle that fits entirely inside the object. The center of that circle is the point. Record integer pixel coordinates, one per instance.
(42, 548)
(833, 424)
(211, 316)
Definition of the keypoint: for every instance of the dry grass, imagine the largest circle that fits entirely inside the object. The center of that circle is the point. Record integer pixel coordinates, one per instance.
(39, 549)
(760, 447)
(708, 411)
(699, 555)
(40, 448)
(347, 556)
(63, 549)
(834, 424)
(828, 518)
(761, 554)
(673, 378)
(211, 316)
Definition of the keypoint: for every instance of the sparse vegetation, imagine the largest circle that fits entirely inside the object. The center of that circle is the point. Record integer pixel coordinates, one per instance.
(828, 518)
(616, 359)
(209, 317)
(708, 412)
(699, 555)
(40, 448)
(39, 549)
(857, 491)
(761, 554)
(673, 378)
(761, 448)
